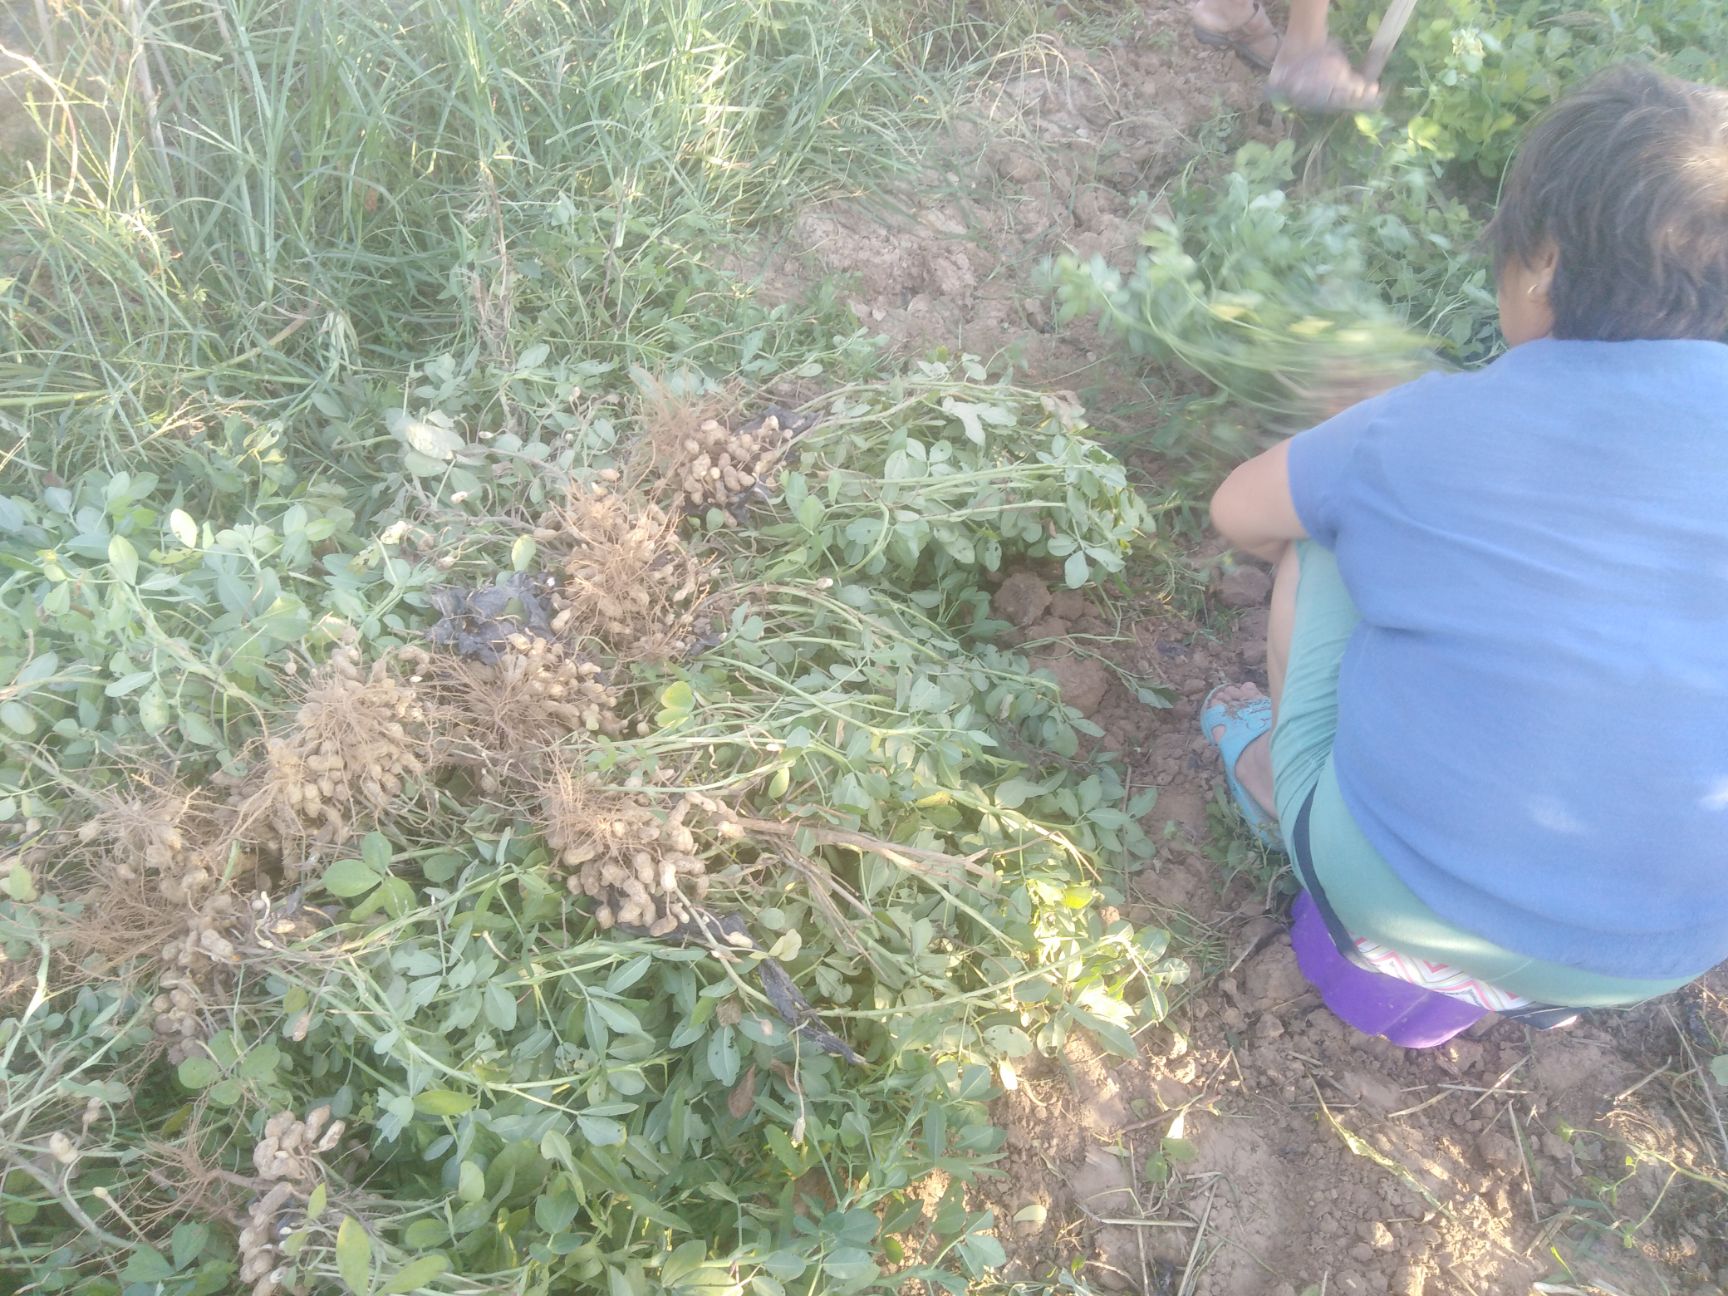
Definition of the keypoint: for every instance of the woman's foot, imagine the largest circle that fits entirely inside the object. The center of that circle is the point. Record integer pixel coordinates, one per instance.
(1254, 766)
(1238, 25)
(1319, 80)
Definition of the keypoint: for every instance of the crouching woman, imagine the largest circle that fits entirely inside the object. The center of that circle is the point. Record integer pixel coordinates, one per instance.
(1496, 738)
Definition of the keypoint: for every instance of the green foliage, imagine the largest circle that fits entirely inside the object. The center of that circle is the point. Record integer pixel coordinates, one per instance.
(302, 198)
(1172, 1151)
(1471, 73)
(546, 1107)
(1471, 80)
(127, 622)
(939, 475)
(306, 309)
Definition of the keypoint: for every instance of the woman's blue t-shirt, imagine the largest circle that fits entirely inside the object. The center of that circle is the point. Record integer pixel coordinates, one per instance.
(1533, 714)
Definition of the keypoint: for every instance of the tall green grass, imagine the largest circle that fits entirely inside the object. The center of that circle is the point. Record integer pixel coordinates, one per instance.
(229, 205)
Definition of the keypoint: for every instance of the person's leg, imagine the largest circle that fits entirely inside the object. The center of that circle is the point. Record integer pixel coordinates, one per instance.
(1281, 621)
(1223, 14)
(1305, 33)
(1309, 623)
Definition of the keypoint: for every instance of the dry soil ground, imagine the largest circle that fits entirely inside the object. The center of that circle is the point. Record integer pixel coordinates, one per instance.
(1589, 1160)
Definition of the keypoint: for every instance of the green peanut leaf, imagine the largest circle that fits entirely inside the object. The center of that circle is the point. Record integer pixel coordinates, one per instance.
(354, 1256)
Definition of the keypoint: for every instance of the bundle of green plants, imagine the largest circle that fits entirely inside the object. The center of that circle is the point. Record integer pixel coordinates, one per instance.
(1265, 296)
(656, 925)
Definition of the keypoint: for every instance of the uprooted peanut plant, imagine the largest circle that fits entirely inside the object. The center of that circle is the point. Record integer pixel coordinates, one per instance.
(652, 899)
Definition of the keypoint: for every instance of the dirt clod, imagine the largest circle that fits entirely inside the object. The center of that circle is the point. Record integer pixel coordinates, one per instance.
(1242, 586)
(1070, 605)
(1081, 681)
(1022, 599)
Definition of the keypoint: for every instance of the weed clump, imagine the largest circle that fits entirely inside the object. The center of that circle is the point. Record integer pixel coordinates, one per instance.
(639, 861)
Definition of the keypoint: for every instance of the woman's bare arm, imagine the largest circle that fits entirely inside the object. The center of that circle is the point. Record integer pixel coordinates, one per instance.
(1253, 509)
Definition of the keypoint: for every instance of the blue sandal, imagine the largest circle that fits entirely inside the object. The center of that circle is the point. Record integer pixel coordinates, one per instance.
(1242, 724)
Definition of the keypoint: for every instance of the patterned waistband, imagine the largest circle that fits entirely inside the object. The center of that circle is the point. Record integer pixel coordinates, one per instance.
(1438, 977)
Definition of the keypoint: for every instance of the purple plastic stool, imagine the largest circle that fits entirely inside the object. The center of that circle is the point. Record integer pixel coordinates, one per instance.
(1406, 1014)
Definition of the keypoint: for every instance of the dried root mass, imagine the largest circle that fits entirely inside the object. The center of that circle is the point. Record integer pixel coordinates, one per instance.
(642, 862)
(157, 856)
(629, 580)
(287, 1158)
(358, 744)
(161, 834)
(535, 694)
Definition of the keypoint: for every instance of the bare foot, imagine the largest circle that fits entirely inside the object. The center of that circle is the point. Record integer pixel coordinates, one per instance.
(1254, 766)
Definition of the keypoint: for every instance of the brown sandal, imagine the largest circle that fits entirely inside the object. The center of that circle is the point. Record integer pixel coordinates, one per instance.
(1254, 41)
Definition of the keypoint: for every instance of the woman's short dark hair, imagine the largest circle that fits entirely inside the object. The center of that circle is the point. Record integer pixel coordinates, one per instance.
(1628, 179)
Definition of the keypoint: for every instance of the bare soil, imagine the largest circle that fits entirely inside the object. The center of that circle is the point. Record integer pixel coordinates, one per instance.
(1059, 156)
(1258, 1147)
